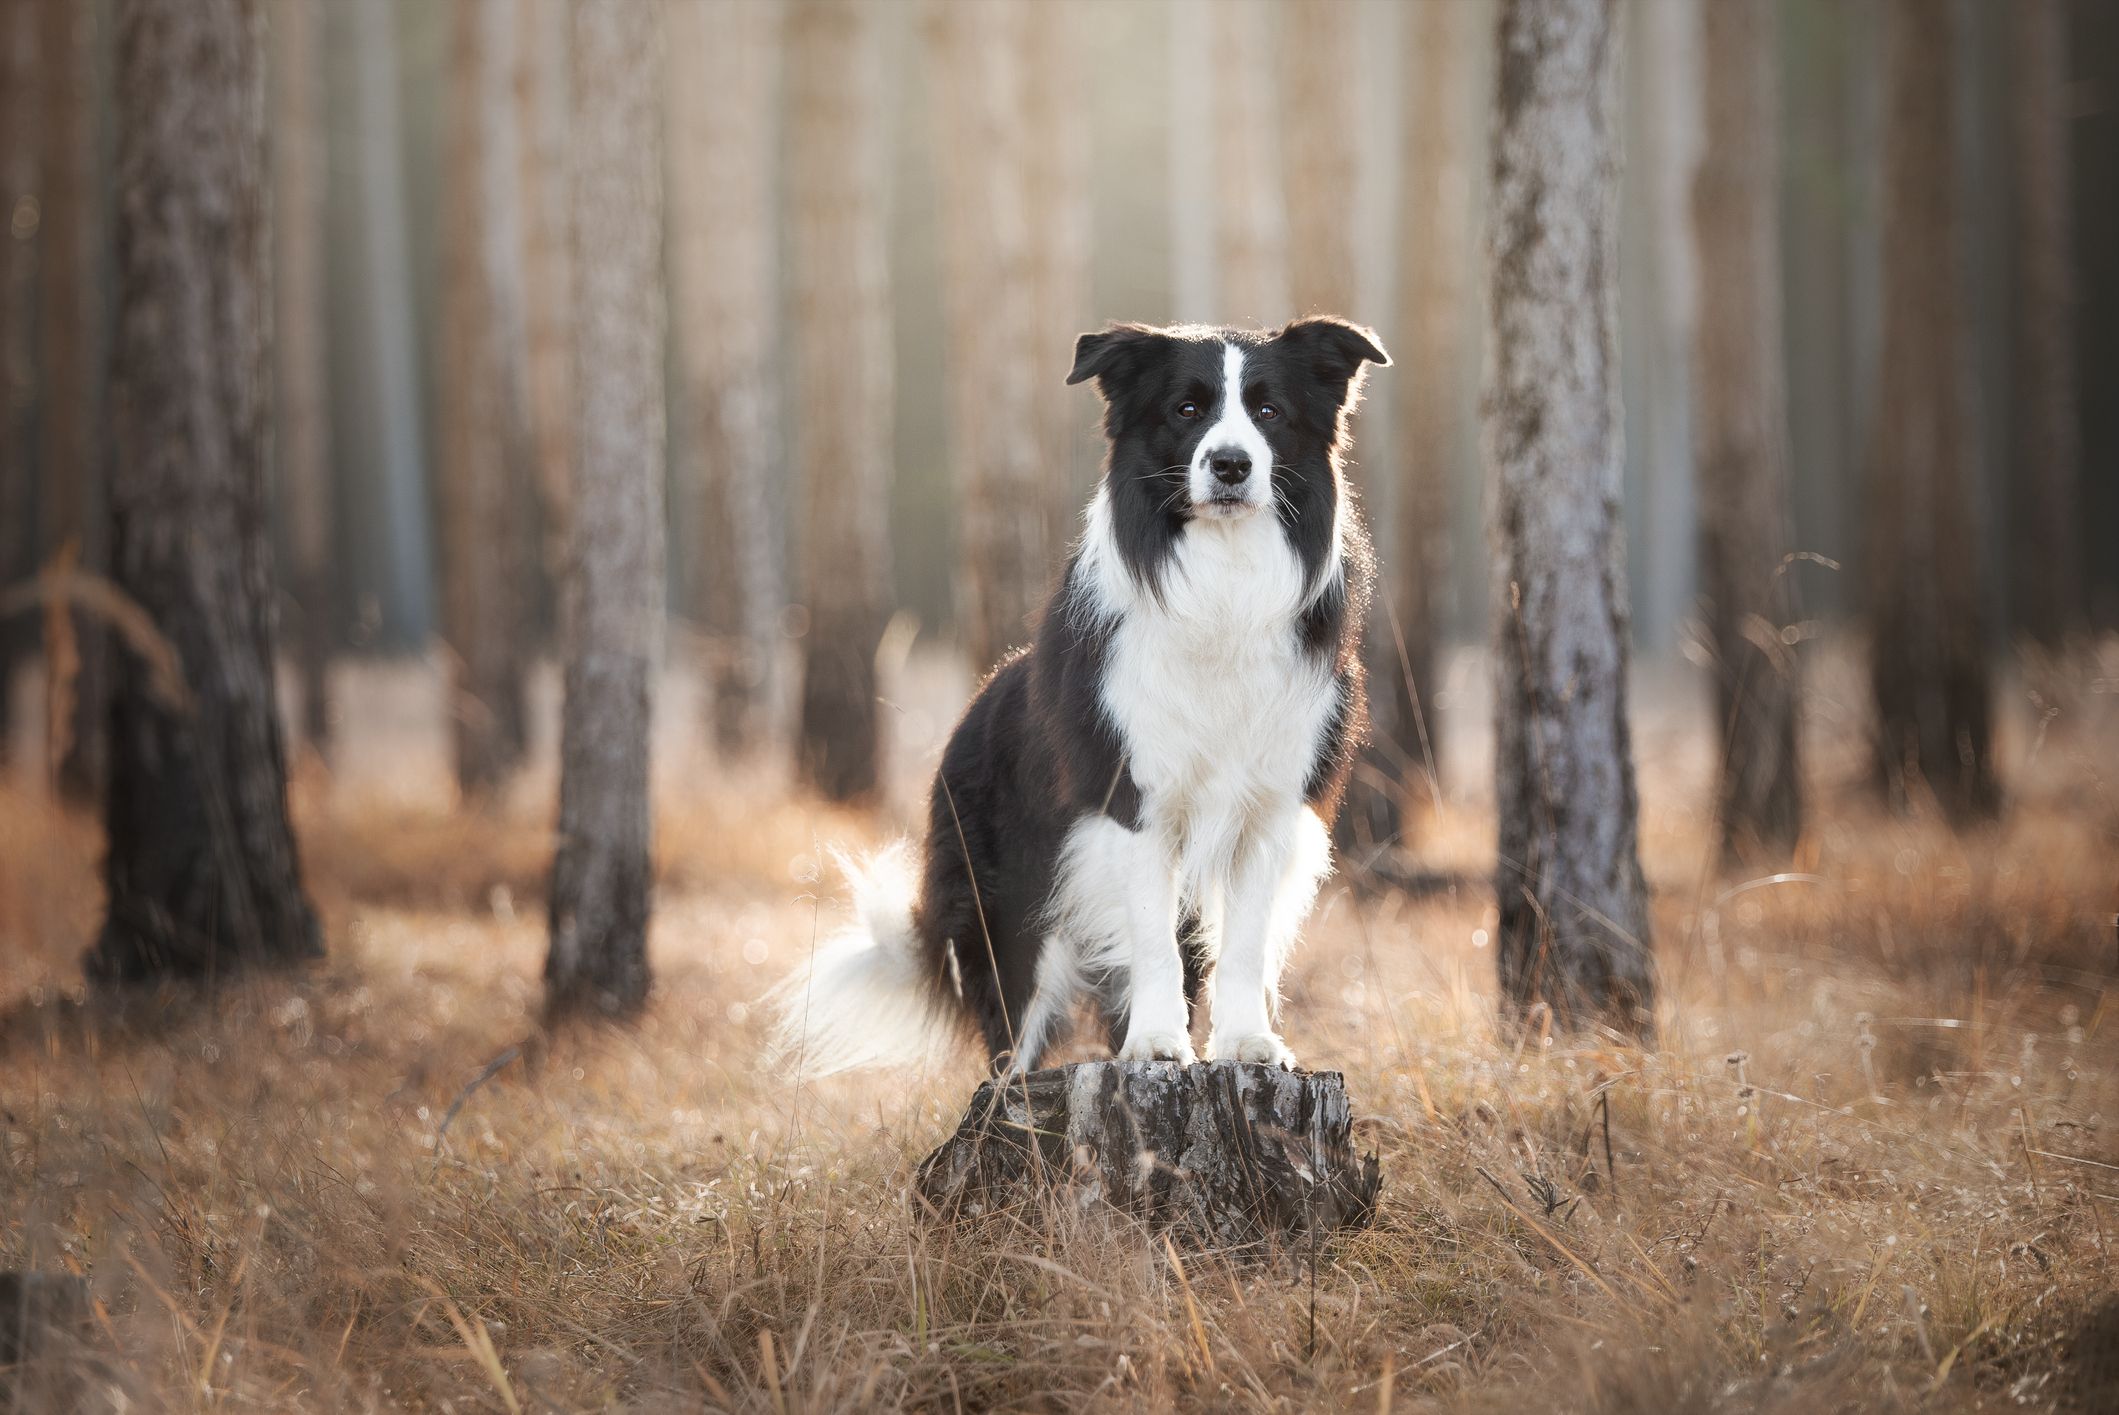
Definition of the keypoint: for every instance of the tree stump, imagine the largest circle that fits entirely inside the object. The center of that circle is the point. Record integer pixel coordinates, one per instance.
(1223, 1155)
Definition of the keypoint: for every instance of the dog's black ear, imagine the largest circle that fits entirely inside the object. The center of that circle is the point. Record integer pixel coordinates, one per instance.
(1335, 348)
(1111, 350)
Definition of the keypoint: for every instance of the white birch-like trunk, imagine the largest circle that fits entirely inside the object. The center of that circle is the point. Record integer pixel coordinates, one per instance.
(612, 601)
(1573, 906)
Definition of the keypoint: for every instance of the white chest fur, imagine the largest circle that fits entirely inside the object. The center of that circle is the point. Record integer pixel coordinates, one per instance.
(1220, 707)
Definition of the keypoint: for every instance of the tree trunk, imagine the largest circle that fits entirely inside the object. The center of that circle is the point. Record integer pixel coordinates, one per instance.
(70, 392)
(299, 168)
(2049, 587)
(1434, 240)
(1317, 175)
(723, 81)
(1225, 1156)
(20, 107)
(981, 65)
(202, 870)
(1056, 179)
(486, 497)
(1318, 127)
(1247, 201)
(1740, 432)
(838, 163)
(541, 116)
(612, 608)
(387, 441)
(1927, 648)
(1573, 905)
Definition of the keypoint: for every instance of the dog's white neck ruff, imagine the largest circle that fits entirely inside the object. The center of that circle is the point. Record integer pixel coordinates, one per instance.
(1220, 705)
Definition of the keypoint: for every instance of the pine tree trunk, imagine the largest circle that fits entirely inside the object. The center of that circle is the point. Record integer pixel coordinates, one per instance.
(299, 165)
(1317, 174)
(2049, 582)
(20, 106)
(541, 117)
(1740, 432)
(202, 869)
(70, 394)
(984, 146)
(1056, 181)
(1318, 127)
(1435, 239)
(1573, 905)
(1247, 198)
(839, 160)
(723, 83)
(486, 488)
(613, 601)
(386, 442)
(1927, 649)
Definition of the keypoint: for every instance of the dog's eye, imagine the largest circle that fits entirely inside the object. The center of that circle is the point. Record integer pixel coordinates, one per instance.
(1268, 413)
(1188, 410)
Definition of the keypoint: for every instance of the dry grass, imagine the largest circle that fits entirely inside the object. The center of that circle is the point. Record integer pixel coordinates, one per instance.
(1871, 1166)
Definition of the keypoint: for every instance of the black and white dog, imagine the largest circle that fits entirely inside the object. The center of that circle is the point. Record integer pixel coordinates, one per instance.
(1142, 798)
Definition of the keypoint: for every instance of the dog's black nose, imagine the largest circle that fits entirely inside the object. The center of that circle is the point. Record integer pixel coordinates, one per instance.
(1230, 467)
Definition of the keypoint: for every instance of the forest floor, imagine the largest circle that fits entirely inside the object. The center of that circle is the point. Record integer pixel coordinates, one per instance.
(1872, 1163)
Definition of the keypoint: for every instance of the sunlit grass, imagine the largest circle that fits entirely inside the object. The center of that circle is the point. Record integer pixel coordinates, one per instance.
(1870, 1165)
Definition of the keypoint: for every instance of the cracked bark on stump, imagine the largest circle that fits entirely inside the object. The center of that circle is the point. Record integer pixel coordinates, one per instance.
(1225, 1155)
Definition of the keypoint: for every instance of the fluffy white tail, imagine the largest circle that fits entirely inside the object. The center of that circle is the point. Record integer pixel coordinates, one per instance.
(864, 1000)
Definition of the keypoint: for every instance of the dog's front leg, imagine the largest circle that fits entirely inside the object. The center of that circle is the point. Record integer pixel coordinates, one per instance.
(1157, 1016)
(1270, 892)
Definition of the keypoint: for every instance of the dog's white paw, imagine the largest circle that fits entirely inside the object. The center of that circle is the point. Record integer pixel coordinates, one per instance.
(1262, 1048)
(1157, 1046)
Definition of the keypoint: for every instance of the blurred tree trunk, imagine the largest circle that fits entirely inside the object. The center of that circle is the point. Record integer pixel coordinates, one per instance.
(1573, 905)
(1317, 175)
(1434, 243)
(299, 175)
(1247, 198)
(487, 531)
(387, 438)
(723, 79)
(1056, 92)
(20, 106)
(1740, 432)
(2049, 587)
(838, 163)
(202, 869)
(1927, 634)
(612, 606)
(541, 117)
(1318, 124)
(70, 394)
(982, 122)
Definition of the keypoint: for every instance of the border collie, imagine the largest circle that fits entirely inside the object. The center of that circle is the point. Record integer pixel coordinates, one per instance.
(1139, 802)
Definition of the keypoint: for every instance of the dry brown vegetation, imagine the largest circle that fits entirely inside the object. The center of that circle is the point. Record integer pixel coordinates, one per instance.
(1869, 1166)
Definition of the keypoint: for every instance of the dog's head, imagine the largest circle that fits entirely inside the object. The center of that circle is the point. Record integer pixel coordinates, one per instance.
(1222, 423)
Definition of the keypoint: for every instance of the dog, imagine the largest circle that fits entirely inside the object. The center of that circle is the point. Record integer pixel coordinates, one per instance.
(1139, 804)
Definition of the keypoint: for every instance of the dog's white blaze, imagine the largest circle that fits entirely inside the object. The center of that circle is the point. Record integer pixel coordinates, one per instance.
(1222, 712)
(1233, 431)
